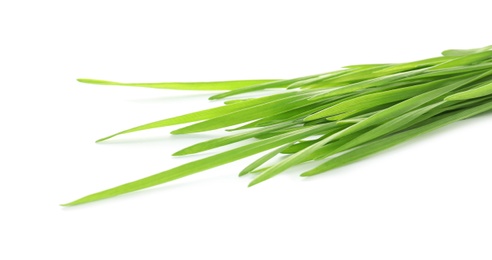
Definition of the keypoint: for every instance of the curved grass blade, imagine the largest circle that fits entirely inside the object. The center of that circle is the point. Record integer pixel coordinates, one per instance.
(354, 76)
(213, 85)
(367, 66)
(311, 81)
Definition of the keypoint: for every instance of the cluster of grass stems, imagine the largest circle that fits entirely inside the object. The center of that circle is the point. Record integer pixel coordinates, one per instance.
(335, 118)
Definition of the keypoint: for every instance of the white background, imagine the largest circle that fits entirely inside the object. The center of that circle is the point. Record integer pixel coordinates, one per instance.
(427, 199)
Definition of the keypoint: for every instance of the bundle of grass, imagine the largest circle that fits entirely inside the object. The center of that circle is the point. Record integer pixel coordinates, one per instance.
(337, 117)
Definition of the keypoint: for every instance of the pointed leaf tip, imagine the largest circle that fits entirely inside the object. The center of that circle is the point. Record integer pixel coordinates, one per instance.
(180, 153)
(97, 81)
(253, 183)
(104, 138)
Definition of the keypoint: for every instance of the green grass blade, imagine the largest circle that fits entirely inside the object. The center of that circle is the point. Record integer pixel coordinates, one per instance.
(379, 81)
(247, 114)
(388, 127)
(361, 103)
(262, 160)
(448, 72)
(461, 104)
(203, 164)
(288, 162)
(306, 143)
(463, 52)
(299, 146)
(215, 85)
(472, 93)
(276, 84)
(291, 115)
(222, 141)
(202, 115)
(280, 131)
(414, 65)
(464, 60)
(359, 114)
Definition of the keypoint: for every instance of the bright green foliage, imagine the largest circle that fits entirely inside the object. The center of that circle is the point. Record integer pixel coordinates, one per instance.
(337, 117)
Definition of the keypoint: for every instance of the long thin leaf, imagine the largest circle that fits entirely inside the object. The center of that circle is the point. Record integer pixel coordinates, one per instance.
(364, 102)
(214, 85)
(464, 60)
(263, 159)
(222, 141)
(414, 65)
(203, 164)
(462, 52)
(276, 84)
(202, 115)
(472, 93)
(247, 114)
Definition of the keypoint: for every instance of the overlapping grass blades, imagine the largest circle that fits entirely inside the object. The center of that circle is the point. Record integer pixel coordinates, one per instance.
(337, 117)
